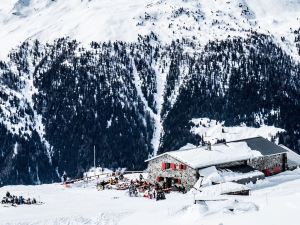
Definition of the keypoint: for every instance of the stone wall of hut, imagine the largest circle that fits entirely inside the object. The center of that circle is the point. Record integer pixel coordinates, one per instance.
(270, 164)
(187, 176)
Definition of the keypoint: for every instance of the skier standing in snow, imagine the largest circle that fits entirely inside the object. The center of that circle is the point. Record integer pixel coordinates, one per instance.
(141, 177)
(64, 177)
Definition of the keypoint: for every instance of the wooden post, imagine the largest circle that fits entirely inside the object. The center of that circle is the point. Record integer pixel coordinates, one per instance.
(94, 157)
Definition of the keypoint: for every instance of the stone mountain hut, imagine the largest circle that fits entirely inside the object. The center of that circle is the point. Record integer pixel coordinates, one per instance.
(244, 161)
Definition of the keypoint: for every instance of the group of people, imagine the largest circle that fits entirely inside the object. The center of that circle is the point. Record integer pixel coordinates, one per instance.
(132, 190)
(17, 200)
(150, 191)
(136, 186)
(108, 183)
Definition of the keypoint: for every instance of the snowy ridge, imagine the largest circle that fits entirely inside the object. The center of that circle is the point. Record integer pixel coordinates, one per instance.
(90, 20)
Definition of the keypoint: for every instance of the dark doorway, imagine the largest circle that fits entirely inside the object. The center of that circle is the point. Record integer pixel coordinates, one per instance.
(284, 162)
(169, 182)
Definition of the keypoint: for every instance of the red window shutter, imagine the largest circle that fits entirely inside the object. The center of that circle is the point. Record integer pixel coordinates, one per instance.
(184, 167)
(178, 181)
(163, 166)
(267, 172)
(276, 169)
(173, 166)
(158, 179)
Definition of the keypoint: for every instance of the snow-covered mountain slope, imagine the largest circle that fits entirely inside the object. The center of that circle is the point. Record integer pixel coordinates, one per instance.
(275, 200)
(104, 20)
(129, 100)
(132, 76)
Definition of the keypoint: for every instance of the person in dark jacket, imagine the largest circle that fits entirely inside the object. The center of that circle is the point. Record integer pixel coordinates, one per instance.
(160, 195)
(64, 177)
(141, 177)
(8, 195)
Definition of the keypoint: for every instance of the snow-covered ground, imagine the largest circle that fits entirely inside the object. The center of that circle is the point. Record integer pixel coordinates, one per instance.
(95, 20)
(212, 130)
(275, 200)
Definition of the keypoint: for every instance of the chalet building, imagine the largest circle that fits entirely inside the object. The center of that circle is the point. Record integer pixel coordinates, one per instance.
(240, 161)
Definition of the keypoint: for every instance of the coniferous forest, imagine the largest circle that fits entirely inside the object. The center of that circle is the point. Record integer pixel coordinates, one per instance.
(59, 101)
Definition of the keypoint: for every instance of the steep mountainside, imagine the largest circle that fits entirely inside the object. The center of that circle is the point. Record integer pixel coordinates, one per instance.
(131, 85)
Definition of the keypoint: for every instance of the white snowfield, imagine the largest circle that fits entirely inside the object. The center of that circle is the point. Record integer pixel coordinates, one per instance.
(212, 130)
(104, 20)
(274, 201)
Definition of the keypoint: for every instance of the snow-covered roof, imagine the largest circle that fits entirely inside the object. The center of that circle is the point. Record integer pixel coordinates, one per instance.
(225, 152)
(221, 189)
(263, 145)
(293, 159)
(230, 176)
(210, 175)
(219, 154)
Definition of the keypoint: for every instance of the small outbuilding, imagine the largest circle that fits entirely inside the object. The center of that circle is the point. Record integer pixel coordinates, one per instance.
(240, 161)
